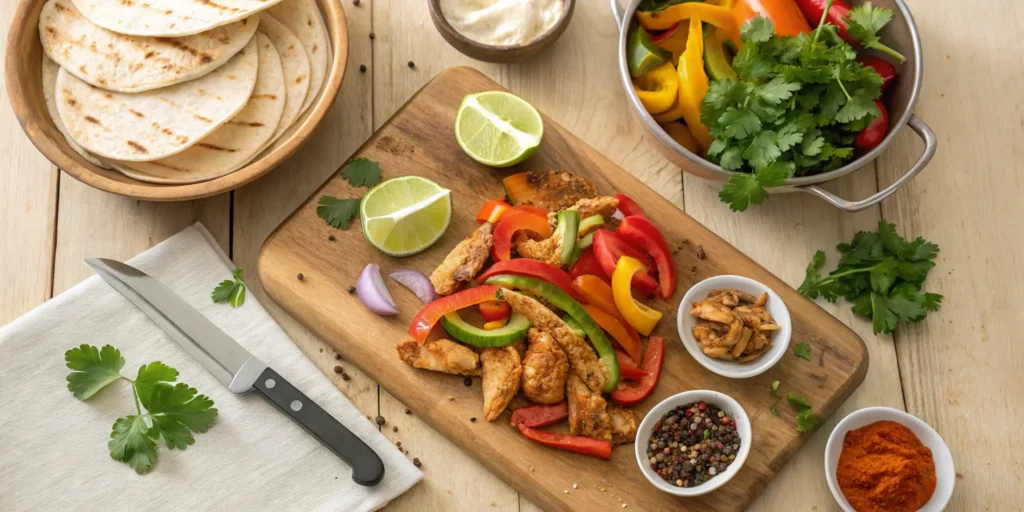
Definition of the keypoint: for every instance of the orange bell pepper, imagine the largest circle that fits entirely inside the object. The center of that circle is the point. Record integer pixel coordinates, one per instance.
(617, 329)
(786, 15)
(681, 134)
(693, 83)
(658, 88)
(673, 40)
(673, 114)
(492, 211)
(720, 17)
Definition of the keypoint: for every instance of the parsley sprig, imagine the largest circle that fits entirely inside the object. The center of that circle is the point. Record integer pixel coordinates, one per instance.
(231, 291)
(881, 274)
(338, 213)
(806, 421)
(162, 410)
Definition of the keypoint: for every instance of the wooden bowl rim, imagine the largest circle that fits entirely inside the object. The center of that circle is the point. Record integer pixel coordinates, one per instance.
(568, 6)
(61, 155)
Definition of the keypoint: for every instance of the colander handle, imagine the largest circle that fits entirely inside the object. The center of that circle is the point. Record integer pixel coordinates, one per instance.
(930, 144)
(618, 12)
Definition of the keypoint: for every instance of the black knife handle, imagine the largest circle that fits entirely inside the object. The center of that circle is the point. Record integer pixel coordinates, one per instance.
(367, 468)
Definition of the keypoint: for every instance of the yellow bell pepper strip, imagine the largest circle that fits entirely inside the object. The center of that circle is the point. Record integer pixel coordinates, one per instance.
(720, 17)
(641, 317)
(673, 40)
(658, 88)
(693, 83)
(496, 324)
(673, 114)
(681, 134)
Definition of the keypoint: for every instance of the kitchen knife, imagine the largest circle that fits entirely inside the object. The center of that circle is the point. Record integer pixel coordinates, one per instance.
(235, 367)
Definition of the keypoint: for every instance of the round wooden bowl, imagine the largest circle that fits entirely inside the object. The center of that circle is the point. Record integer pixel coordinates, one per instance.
(23, 70)
(492, 53)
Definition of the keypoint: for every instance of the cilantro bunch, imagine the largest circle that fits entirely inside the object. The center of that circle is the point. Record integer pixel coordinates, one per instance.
(881, 273)
(172, 412)
(795, 110)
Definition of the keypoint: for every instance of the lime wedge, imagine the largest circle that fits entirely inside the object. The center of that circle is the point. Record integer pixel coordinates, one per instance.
(497, 128)
(404, 216)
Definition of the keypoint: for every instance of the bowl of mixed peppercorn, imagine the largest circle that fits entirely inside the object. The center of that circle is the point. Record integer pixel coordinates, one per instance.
(693, 443)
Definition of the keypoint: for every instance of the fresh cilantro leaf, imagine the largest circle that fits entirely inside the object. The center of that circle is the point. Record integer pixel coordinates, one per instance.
(774, 175)
(788, 137)
(362, 172)
(131, 442)
(763, 149)
(806, 421)
(757, 30)
(740, 123)
(859, 106)
(231, 291)
(717, 147)
(865, 21)
(884, 274)
(920, 250)
(732, 159)
(798, 402)
(802, 350)
(812, 146)
(774, 411)
(338, 213)
(93, 369)
(149, 376)
(178, 411)
(777, 90)
(884, 320)
(741, 191)
(775, 388)
(862, 304)
(751, 64)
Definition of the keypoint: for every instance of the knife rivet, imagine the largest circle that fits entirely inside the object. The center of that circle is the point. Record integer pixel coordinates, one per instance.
(270, 383)
(296, 405)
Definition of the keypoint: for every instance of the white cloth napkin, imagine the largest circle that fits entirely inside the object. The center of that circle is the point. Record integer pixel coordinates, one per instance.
(53, 447)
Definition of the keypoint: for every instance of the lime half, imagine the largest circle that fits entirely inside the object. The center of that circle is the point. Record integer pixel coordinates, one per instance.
(404, 216)
(497, 128)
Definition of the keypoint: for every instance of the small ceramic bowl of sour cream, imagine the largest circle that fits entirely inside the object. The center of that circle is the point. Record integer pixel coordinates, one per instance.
(501, 30)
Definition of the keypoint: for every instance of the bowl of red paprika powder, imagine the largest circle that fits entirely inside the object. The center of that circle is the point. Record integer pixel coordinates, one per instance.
(883, 459)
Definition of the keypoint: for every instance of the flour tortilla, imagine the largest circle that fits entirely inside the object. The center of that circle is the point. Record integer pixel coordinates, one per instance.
(168, 18)
(134, 63)
(229, 147)
(302, 17)
(50, 70)
(151, 125)
(295, 65)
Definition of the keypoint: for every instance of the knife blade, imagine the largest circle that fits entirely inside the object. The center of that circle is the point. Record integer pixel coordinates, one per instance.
(234, 366)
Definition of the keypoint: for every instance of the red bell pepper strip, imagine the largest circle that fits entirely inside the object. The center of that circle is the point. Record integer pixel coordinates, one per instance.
(641, 232)
(525, 208)
(609, 247)
(494, 310)
(627, 367)
(628, 394)
(587, 265)
(617, 329)
(872, 136)
(884, 69)
(814, 11)
(578, 444)
(492, 211)
(538, 415)
(532, 268)
(502, 248)
(627, 206)
(432, 313)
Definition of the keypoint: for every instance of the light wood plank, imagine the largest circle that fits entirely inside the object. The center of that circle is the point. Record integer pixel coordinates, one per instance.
(961, 367)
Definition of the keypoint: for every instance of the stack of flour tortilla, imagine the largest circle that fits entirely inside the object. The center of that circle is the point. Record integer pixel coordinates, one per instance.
(180, 91)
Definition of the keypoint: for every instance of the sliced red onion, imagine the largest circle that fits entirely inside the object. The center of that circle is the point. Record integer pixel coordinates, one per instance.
(417, 282)
(374, 293)
(618, 215)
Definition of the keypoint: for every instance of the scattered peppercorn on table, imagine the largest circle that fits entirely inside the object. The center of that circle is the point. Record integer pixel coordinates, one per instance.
(963, 358)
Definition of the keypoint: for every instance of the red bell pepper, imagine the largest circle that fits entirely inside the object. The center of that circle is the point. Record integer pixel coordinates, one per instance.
(587, 265)
(502, 248)
(492, 211)
(525, 208)
(627, 206)
(884, 69)
(578, 444)
(628, 394)
(532, 268)
(872, 136)
(432, 313)
(814, 10)
(494, 310)
(629, 341)
(641, 232)
(627, 367)
(539, 415)
(609, 247)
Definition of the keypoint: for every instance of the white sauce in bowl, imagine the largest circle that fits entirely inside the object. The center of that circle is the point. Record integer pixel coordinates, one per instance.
(502, 22)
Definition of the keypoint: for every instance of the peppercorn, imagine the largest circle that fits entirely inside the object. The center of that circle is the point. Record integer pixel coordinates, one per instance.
(344, 376)
(473, 419)
(299, 276)
(372, 35)
(331, 238)
(362, 68)
(468, 381)
(351, 289)
(416, 462)
(407, 411)
(412, 64)
(339, 370)
(691, 444)
(380, 420)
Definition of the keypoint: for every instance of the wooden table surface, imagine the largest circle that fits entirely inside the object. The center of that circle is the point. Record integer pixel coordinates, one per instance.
(960, 370)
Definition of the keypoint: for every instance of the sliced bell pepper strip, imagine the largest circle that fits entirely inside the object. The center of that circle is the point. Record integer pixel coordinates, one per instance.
(590, 223)
(693, 83)
(539, 415)
(720, 17)
(682, 134)
(595, 290)
(568, 228)
(524, 208)
(574, 326)
(532, 268)
(673, 40)
(631, 393)
(628, 368)
(628, 207)
(494, 310)
(620, 333)
(502, 248)
(641, 232)
(495, 324)
(579, 444)
(432, 313)
(609, 248)
(785, 16)
(492, 211)
(658, 88)
(563, 301)
(641, 317)
(673, 114)
(587, 264)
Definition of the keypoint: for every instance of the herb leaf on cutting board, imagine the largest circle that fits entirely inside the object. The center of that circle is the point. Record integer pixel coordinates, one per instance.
(802, 350)
(806, 421)
(362, 172)
(338, 213)
(231, 291)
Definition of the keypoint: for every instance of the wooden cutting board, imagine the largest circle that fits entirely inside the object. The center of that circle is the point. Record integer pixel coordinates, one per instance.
(419, 140)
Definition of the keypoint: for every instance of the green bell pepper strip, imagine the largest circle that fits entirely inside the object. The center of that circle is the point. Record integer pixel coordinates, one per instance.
(574, 326)
(590, 224)
(568, 228)
(563, 301)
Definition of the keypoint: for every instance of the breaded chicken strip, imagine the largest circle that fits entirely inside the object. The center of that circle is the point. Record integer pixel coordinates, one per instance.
(549, 249)
(464, 262)
(557, 190)
(604, 206)
(544, 369)
(588, 411)
(624, 424)
(502, 372)
(441, 356)
(582, 358)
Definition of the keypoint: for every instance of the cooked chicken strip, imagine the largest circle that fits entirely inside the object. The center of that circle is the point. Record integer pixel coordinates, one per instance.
(588, 411)
(544, 369)
(588, 207)
(464, 262)
(502, 372)
(548, 250)
(624, 423)
(557, 190)
(441, 356)
(582, 358)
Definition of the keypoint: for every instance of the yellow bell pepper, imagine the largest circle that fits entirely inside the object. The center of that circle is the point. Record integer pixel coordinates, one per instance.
(496, 324)
(658, 88)
(641, 317)
(681, 134)
(693, 83)
(718, 16)
(673, 114)
(674, 40)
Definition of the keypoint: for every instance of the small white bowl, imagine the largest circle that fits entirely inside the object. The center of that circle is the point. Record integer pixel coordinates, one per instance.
(735, 370)
(945, 473)
(722, 401)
